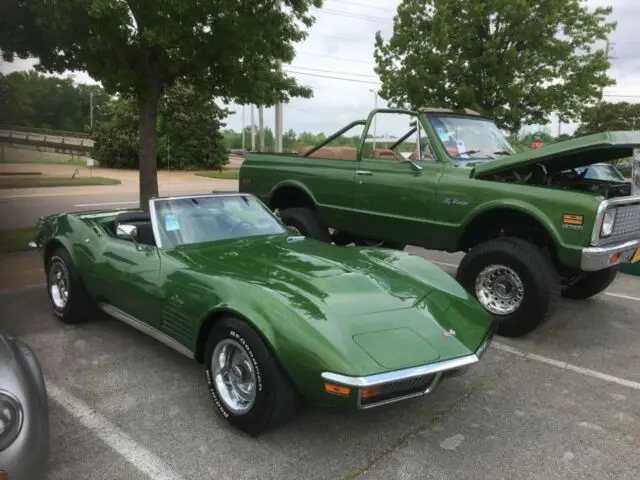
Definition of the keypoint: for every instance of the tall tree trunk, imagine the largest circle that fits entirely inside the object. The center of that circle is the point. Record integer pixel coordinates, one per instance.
(148, 163)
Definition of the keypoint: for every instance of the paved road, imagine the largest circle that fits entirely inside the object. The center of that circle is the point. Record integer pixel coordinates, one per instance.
(23, 207)
(125, 406)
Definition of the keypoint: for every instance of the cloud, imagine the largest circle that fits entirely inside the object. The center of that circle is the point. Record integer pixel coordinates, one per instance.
(341, 44)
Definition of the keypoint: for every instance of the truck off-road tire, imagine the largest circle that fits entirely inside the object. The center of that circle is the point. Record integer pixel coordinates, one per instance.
(381, 244)
(591, 284)
(306, 221)
(68, 297)
(248, 386)
(514, 281)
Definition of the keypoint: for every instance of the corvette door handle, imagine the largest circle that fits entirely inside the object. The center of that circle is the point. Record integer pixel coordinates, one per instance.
(364, 172)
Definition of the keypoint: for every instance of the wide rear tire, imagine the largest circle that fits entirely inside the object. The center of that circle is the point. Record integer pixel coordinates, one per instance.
(514, 281)
(68, 297)
(306, 221)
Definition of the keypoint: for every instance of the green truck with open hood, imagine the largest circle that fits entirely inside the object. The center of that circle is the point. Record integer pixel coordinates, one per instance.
(534, 226)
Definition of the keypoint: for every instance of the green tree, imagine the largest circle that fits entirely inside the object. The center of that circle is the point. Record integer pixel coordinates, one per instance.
(514, 60)
(229, 48)
(31, 99)
(608, 116)
(189, 132)
(190, 129)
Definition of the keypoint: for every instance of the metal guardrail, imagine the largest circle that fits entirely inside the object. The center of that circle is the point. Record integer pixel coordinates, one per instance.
(84, 145)
(43, 131)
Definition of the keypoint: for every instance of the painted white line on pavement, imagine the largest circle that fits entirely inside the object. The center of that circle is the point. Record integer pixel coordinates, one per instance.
(104, 204)
(620, 295)
(134, 453)
(611, 294)
(567, 366)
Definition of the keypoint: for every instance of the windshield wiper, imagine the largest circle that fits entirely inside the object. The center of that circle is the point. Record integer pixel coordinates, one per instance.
(468, 152)
(501, 152)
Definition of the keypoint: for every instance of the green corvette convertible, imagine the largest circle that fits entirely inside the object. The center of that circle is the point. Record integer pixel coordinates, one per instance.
(276, 318)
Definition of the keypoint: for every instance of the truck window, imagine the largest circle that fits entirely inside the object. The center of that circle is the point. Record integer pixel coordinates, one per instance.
(396, 136)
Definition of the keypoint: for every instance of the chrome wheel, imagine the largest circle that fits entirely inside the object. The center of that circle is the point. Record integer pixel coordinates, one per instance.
(234, 376)
(59, 284)
(499, 289)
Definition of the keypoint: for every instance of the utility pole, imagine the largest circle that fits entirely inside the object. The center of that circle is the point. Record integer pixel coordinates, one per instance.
(253, 131)
(243, 124)
(261, 126)
(607, 56)
(278, 123)
(375, 116)
(91, 110)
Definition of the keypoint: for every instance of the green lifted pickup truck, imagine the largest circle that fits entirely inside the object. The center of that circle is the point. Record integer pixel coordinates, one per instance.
(533, 225)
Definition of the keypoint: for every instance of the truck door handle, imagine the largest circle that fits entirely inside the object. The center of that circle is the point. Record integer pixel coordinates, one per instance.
(364, 172)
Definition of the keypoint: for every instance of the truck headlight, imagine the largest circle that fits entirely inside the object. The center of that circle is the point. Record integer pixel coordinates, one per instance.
(607, 222)
(11, 417)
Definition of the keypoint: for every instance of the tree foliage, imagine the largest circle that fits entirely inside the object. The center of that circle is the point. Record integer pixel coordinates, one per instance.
(229, 48)
(189, 132)
(515, 60)
(30, 99)
(608, 116)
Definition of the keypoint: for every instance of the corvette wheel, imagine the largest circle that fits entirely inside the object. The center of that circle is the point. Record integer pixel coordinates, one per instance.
(68, 298)
(248, 386)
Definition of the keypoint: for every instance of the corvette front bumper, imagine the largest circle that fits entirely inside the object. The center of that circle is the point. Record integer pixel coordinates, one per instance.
(390, 387)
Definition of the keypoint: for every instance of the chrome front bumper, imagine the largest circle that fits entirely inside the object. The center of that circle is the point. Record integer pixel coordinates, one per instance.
(598, 258)
(410, 382)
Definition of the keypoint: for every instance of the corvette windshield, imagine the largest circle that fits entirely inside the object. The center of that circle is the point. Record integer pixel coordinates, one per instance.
(198, 219)
(469, 138)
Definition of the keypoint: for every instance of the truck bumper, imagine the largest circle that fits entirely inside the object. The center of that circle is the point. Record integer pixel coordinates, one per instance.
(598, 258)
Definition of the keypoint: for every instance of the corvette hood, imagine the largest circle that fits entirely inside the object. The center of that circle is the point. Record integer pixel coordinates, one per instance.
(367, 298)
(573, 153)
(318, 276)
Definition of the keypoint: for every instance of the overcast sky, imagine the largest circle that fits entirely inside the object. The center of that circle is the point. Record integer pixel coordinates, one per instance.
(341, 44)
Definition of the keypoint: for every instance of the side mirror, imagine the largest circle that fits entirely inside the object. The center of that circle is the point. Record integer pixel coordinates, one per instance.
(127, 232)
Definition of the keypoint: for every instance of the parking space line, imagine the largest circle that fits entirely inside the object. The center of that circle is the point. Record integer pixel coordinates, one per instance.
(134, 453)
(611, 294)
(620, 295)
(568, 366)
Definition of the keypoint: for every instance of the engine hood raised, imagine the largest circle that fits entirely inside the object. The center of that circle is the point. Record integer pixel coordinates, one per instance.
(573, 153)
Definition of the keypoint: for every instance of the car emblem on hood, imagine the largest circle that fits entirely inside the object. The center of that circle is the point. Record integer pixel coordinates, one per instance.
(449, 333)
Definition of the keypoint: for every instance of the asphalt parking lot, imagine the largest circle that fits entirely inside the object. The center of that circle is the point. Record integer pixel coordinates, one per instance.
(562, 403)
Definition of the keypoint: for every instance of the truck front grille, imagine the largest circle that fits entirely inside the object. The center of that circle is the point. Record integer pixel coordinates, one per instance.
(627, 220)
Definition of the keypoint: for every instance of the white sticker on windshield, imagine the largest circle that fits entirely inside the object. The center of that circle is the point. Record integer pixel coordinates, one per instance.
(171, 222)
(461, 149)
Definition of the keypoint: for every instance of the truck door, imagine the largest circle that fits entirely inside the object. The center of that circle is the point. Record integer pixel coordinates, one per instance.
(395, 179)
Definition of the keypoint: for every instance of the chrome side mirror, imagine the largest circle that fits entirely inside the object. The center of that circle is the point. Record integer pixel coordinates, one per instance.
(127, 232)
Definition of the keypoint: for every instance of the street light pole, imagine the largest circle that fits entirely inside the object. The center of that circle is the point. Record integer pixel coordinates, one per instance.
(375, 116)
(278, 123)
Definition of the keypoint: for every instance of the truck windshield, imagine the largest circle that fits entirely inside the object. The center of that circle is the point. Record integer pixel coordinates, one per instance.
(468, 138)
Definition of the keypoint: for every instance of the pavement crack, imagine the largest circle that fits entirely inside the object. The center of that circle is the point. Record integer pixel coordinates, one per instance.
(447, 409)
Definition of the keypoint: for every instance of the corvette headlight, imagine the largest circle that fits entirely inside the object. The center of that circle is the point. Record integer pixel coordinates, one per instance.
(607, 222)
(11, 417)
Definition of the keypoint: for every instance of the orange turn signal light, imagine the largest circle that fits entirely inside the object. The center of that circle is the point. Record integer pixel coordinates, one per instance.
(368, 392)
(614, 258)
(337, 389)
